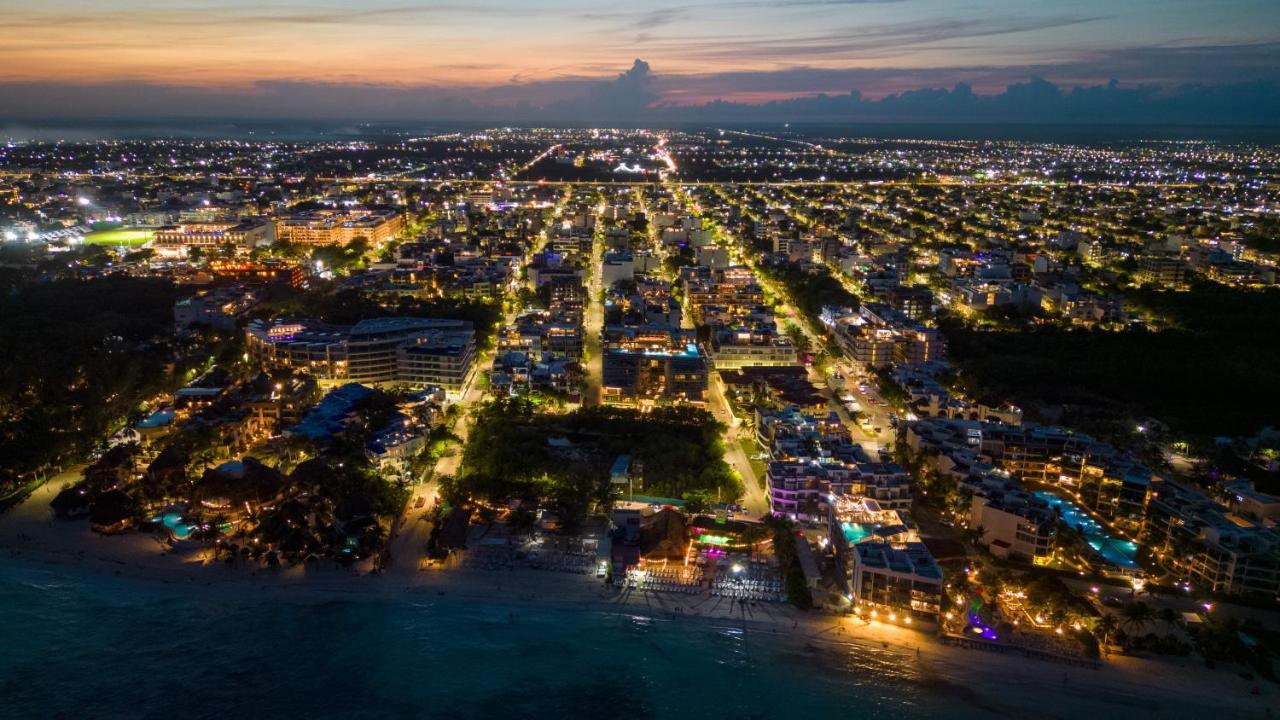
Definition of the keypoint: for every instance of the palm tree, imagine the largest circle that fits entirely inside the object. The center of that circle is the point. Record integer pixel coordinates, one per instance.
(375, 537)
(294, 449)
(995, 579)
(522, 520)
(960, 503)
(1105, 627)
(752, 535)
(975, 535)
(941, 486)
(1136, 616)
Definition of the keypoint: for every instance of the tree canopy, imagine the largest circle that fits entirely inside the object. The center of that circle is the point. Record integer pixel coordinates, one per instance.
(1212, 371)
(79, 357)
(676, 452)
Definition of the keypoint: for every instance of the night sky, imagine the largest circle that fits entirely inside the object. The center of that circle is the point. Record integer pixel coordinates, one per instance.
(407, 57)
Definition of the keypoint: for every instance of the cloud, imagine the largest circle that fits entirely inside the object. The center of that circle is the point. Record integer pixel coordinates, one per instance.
(638, 21)
(1033, 101)
(803, 3)
(859, 41)
(1168, 66)
(1186, 63)
(632, 90)
(639, 96)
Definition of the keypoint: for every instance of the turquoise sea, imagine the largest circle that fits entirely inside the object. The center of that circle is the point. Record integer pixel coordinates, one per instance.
(82, 645)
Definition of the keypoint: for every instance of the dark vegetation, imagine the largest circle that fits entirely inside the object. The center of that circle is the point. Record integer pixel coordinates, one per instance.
(809, 291)
(683, 256)
(341, 258)
(784, 546)
(1263, 234)
(79, 356)
(1213, 371)
(676, 452)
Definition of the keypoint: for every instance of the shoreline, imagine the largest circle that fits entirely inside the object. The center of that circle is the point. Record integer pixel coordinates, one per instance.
(1007, 685)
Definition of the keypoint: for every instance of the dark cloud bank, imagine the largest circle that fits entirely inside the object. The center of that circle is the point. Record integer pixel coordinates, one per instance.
(634, 98)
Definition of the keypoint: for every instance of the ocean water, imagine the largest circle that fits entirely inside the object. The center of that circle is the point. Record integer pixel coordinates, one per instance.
(78, 645)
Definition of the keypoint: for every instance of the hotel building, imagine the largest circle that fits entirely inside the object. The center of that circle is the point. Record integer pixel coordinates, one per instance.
(652, 364)
(419, 352)
(333, 227)
(177, 240)
(1201, 542)
(1014, 526)
(896, 578)
(758, 346)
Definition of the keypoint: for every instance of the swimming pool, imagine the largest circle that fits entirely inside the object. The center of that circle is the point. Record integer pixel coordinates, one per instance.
(159, 418)
(1120, 553)
(173, 521)
(855, 532)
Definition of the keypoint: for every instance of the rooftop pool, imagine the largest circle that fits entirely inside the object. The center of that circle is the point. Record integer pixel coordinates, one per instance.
(1118, 552)
(855, 532)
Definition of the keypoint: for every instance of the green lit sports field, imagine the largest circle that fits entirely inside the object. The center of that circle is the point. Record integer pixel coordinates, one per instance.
(131, 238)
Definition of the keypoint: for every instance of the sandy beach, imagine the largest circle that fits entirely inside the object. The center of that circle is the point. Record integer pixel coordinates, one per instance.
(1005, 685)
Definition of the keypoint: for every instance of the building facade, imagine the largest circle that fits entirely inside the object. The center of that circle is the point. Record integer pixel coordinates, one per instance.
(418, 352)
(243, 236)
(330, 227)
(650, 364)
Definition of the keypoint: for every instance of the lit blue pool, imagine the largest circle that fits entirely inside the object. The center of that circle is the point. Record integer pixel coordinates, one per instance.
(1118, 552)
(159, 418)
(174, 522)
(855, 532)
